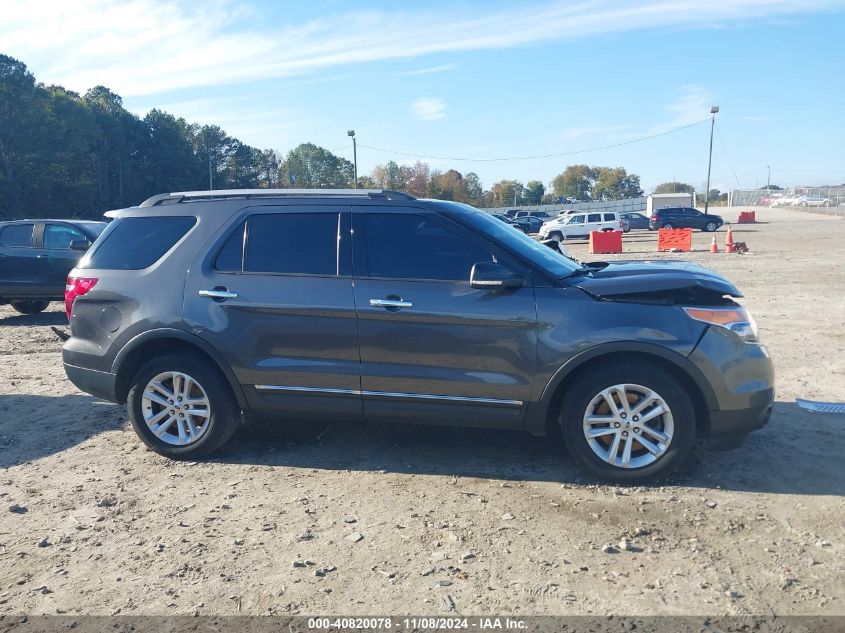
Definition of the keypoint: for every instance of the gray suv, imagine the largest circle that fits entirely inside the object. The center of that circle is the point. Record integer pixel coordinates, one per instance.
(195, 308)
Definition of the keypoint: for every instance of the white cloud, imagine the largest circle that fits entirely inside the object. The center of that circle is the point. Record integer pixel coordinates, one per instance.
(150, 46)
(692, 105)
(429, 109)
(428, 71)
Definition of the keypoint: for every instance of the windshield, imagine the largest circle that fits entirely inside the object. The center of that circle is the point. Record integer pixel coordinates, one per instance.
(95, 228)
(538, 254)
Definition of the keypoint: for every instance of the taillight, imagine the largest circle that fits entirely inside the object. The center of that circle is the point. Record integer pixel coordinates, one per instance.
(76, 287)
(654, 218)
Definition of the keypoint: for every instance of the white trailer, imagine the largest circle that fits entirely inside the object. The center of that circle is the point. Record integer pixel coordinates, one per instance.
(656, 201)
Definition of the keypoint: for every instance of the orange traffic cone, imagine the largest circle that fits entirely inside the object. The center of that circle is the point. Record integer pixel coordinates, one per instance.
(714, 248)
(729, 241)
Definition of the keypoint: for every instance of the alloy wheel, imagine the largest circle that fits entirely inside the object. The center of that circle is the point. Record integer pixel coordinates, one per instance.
(628, 426)
(176, 408)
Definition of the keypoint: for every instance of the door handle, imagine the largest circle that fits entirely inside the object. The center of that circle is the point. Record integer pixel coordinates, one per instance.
(390, 303)
(218, 293)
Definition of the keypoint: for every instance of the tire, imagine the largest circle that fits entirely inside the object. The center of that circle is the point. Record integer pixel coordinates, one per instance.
(585, 395)
(223, 413)
(556, 235)
(710, 227)
(667, 225)
(30, 307)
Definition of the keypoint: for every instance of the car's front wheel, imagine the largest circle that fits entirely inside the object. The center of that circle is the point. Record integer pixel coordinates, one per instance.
(556, 235)
(710, 227)
(30, 307)
(628, 422)
(181, 406)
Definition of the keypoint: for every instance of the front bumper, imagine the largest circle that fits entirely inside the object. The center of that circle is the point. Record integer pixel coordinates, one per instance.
(728, 429)
(741, 376)
(97, 383)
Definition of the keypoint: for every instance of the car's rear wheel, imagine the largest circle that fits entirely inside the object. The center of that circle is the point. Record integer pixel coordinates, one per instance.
(710, 227)
(30, 307)
(667, 225)
(182, 407)
(628, 422)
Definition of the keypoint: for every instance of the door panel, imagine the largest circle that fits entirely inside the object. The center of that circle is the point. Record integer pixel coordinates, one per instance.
(290, 338)
(18, 262)
(56, 259)
(450, 351)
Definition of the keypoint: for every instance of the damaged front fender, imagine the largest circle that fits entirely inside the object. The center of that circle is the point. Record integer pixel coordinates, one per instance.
(667, 283)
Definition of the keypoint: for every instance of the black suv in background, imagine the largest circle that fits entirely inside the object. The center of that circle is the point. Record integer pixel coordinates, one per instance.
(684, 218)
(372, 305)
(36, 257)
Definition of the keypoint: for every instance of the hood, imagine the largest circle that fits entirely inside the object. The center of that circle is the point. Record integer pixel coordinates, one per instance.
(658, 282)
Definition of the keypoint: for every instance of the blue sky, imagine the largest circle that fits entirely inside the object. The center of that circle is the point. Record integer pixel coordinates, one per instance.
(472, 79)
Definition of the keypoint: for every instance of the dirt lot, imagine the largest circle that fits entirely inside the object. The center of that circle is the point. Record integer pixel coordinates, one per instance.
(475, 521)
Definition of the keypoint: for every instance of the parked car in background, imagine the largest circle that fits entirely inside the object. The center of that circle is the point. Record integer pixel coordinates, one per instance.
(684, 218)
(543, 215)
(196, 308)
(581, 225)
(635, 220)
(530, 223)
(813, 201)
(36, 257)
(786, 201)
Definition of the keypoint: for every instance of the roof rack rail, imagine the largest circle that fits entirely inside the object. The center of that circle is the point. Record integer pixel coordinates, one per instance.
(216, 194)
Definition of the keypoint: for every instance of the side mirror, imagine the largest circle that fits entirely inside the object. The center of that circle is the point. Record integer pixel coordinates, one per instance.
(80, 245)
(490, 276)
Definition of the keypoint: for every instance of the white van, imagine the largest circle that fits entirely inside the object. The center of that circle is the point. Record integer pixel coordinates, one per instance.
(580, 224)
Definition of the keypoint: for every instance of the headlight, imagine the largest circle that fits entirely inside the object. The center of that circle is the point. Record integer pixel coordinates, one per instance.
(736, 319)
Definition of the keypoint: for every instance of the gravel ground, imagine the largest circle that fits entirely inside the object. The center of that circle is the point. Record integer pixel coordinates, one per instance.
(386, 519)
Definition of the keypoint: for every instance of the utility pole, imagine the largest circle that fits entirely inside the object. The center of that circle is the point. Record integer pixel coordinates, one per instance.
(354, 156)
(768, 178)
(210, 181)
(713, 111)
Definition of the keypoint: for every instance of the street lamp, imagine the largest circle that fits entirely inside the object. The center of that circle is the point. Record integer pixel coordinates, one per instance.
(354, 156)
(713, 110)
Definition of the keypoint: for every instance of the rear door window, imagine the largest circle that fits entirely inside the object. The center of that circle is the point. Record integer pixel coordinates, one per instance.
(19, 235)
(292, 243)
(136, 243)
(594, 217)
(59, 236)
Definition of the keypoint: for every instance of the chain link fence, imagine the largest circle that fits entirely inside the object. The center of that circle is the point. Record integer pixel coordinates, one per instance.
(621, 206)
(798, 197)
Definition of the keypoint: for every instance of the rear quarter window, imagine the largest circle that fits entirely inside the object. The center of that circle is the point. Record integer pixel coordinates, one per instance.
(136, 243)
(16, 235)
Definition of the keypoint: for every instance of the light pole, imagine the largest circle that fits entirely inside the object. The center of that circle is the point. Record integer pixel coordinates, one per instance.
(354, 156)
(768, 178)
(210, 180)
(713, 111)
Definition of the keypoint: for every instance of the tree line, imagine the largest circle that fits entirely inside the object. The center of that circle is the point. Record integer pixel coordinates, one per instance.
(63, 154)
